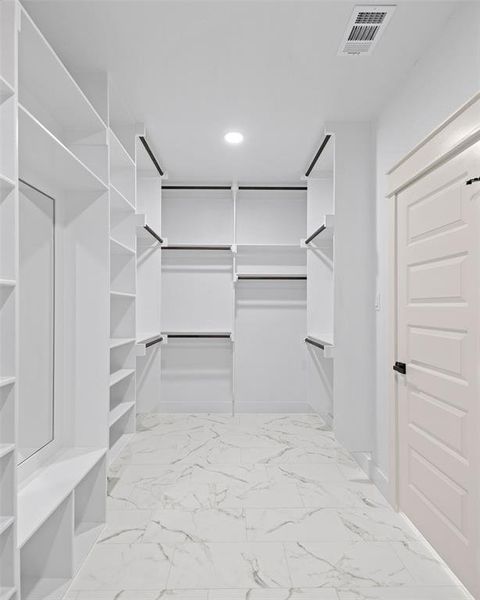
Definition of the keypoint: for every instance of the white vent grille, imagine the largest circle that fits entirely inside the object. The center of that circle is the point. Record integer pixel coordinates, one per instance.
(365, 28)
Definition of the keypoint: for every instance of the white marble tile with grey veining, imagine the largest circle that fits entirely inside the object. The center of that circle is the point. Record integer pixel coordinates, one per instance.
(125, 567)
(270, 594)
(125, 526)
(307, 475)
(229, 565)
(406, 593)
(203, 525)
(423, 565)
(296, 524)
(225, 474)
(345, 564)
(264, 494)
(120, 594)
(349, 494)
(183, 495)
(375, 524)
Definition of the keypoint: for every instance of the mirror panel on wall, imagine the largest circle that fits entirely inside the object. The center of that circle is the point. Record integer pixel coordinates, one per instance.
(37, 321)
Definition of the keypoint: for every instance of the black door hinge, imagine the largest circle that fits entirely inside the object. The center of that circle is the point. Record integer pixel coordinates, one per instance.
(474, 180)
(400, 367)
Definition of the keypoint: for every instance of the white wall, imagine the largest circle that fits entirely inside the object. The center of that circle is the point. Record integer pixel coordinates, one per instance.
(445, 77)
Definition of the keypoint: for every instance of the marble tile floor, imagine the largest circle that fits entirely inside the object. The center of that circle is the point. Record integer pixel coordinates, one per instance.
(252, 507)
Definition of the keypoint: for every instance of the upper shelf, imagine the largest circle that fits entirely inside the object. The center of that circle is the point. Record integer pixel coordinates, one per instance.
(325, 230)
(42, 154)
(145, 232)
(44, 81)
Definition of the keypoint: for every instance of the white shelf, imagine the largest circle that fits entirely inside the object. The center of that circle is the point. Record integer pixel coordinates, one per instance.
(5, 523)
(6, 90)
(7, 283)
(46, 77)
(118, 446)
(44, 588)
(117, 247)
(119, 342)
(6, 183)
(4, 381)
(42, 153)
(118, 202)
(119, 411)
(120, 158)
(6, 449)
(120, 375)
(50, 487)
(7, 593)
(122, 294)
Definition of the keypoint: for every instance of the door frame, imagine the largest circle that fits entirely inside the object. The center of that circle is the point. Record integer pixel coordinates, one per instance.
(457, 133)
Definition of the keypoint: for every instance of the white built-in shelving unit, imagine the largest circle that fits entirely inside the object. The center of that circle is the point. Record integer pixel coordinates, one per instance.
(149, 339)
(123, 282)
(9, 584)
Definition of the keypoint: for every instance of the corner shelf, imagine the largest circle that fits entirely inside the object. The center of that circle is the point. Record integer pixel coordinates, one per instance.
(120, 375)
(6, 183)
(116, 294)
(4, 381)
(325, 230)
(119, 342)
(7, 593)
(117, 247)
(7, 283)
(42, 152)
(325, 344)
(145, 232)
(4, 450)
(119, 411)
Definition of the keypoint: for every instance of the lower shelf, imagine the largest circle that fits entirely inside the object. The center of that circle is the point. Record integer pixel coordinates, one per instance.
(44, 589)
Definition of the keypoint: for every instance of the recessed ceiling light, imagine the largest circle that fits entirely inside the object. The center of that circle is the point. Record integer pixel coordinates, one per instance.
(234, 137)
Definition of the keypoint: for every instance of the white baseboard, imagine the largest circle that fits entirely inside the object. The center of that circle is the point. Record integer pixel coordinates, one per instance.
(364, 460)
(381, 481)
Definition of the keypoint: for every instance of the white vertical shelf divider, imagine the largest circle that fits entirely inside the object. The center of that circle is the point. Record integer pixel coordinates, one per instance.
(9, 568)
(123, 278)
(149, 273)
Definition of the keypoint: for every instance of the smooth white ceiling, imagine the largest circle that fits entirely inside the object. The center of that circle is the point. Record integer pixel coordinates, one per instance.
(193, 70)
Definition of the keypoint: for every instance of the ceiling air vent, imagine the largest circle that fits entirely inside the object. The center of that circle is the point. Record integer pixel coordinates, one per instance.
(364, 29)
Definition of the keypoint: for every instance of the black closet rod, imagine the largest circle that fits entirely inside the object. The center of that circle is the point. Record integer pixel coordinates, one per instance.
(280, 277)
(315, 343)
(153, 233)
(317, 155)
(315, 233)
(199, 335)
(197, 247)
(153, 341)
(151, 155)
(241, 187)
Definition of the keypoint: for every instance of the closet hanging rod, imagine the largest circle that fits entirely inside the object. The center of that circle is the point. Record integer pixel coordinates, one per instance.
(199, 335)
(196, 187)
(153, 341)
(292, 188)
(279, 277)
(186, 247)
(240, 187)
(317, 155)
(316, 343)
(153, 233)
(315, 233)
(151, 155)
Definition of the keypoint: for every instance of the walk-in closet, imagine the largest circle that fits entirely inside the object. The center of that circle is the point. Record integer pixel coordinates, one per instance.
(238, 300)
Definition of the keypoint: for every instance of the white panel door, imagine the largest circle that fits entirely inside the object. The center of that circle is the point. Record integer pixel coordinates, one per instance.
(438, 339)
